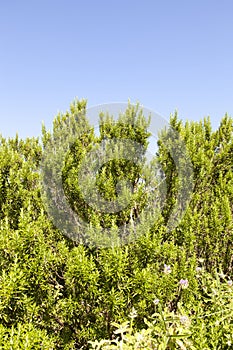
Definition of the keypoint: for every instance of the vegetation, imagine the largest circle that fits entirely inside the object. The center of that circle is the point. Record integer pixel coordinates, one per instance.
(166, 289)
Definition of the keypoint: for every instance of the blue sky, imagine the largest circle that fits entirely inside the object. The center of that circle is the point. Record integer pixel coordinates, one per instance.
(165, 54)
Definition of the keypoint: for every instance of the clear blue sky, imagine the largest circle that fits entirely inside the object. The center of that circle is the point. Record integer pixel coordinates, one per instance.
(165, 54)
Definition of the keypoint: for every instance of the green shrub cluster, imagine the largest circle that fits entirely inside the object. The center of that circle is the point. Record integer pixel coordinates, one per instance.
(207, 324)
(163, 290)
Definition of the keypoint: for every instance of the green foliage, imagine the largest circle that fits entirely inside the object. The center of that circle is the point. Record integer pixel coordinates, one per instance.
(207, 324)
(56, 293)
(130, 126)
(25, 337)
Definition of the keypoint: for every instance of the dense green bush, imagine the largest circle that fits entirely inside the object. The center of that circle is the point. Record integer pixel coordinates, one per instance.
(57, 293)
(207, 324)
